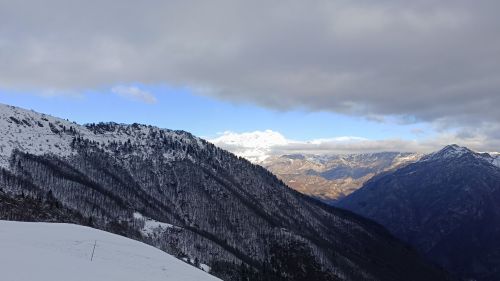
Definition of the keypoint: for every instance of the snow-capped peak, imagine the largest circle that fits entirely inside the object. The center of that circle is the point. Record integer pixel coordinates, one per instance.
(449, 151)
(255, 146)
(454, 149)
(40, 134)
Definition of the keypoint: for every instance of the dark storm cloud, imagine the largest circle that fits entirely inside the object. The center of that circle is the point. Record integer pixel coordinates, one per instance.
(436, 61)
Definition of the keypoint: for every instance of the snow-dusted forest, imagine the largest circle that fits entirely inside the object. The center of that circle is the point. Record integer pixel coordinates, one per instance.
(189, 198)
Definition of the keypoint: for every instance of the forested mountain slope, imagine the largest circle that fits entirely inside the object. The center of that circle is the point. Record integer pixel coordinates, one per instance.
(446, 205)
(191, 199)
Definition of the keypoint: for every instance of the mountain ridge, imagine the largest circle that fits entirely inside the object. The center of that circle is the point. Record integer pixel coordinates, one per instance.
(444, 205)
(331, 177)
(227, 213)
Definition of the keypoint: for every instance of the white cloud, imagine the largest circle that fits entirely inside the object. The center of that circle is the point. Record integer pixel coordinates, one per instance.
(57, 93)
(257, 146)
(134, 93)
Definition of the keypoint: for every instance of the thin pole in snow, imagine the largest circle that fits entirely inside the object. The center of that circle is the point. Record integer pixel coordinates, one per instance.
(93, 250)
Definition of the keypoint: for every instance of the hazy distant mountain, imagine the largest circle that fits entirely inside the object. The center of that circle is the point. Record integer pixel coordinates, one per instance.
(447, 205)
(330, 177)
(189, 198)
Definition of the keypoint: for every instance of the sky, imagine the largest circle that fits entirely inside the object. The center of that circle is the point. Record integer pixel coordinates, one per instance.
(179, 108)
(295, 76)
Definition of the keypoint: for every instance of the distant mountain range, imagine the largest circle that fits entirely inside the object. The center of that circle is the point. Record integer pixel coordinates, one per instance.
(331, 177)
(191, 199)
(447, 205)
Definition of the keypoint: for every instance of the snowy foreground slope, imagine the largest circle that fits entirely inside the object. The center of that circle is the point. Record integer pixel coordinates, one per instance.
(61, 252)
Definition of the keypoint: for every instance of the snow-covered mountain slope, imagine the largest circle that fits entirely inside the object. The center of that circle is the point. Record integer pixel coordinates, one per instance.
(254, 146)
(31, 132)
(189, 198)
(38, 134)
(496, 159)
(492, 157)
(57, 252)
(454, 151)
